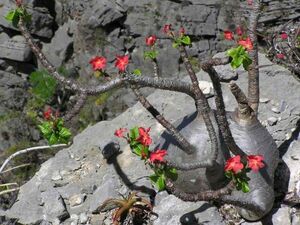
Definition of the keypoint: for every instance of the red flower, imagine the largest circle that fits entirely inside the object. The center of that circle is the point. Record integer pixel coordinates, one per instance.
(255, 162)
(150, 41)
(284, 36)
(234, 164)
(120, 132)
(98, 63)
(157, 156)
(19, 3)
(250, 2)
(122, 62)
(144, 137)
(47, 114)
(228, 35)
(246, 43)
(181, 31)
(239, 31)
(280, 56)
(167, 28)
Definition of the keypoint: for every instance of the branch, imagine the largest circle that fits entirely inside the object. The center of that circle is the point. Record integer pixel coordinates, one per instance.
(220, 105)
(79, 104)
(155, 68)
(29, 150)
(185, 145)
(201, 102)
(201, 196)
(245, 112)
(253, 72)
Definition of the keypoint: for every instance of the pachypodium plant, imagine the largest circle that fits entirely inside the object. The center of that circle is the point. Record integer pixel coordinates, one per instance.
(139, 140)
(210, 152)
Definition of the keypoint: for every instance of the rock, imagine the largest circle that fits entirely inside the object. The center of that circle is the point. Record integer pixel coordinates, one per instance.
(16, 49)
(100, 179)
(54, 206)
(264, 100)
(173, 211)
(275, 109)
(272, 121)
(83, 218)
(41, 21)
(61, 46)
(282, 216)
(226, 74)
(76, 200)
(207, 88)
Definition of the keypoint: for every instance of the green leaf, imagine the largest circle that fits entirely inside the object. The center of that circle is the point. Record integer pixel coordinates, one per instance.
(42, 85)
(245, 187)
(239, 56)
(45, 128)
(160, 183)
(53, 139)
(10, 15)
(171, 173)
(153, 178)
(137, 149)
(137, 72)
(65, 133)
(134, 133)
(175, 45)
(185, 40)
(150, 54)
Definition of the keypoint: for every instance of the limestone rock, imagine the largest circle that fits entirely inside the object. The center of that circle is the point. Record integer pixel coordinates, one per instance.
(15, 49)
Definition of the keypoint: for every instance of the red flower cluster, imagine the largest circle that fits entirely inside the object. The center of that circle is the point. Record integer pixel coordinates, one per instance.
(48, 114)
(228, 35)
(284, 36)
(98, 63)
(167, 28)
(150, 41)
(239, 31)
(246, 43)
(234, 164)
(122, 62)
(157, 156)
(181, 31)
(255, 162)
(120, 132)
(144, 137)
(280, 56)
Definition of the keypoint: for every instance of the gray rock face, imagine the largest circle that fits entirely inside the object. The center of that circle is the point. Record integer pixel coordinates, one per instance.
(15, 49)
(84, 171)
(41, 23)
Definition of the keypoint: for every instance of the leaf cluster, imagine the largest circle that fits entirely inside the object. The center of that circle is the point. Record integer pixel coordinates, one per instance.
(239, 57)
(55, 132)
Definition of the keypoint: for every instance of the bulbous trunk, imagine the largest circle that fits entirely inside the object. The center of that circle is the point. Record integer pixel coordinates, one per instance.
(250, 136)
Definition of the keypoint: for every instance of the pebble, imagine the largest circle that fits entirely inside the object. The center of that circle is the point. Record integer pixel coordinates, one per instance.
(275, 110)
(56, 176)
(83, 218)
(272, 121)
(76, 200)
(264, 100)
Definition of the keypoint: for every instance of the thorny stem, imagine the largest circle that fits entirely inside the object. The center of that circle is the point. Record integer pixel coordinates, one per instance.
(159, 83)
(253, 81)
(201, 102)
(79, 104)
(201, 196)
(186, 146)
(220, 105)
(155, 68)
(245, 112)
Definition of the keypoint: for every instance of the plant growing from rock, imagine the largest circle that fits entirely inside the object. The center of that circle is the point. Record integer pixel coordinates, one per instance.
(130, 209)
(200, 144)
